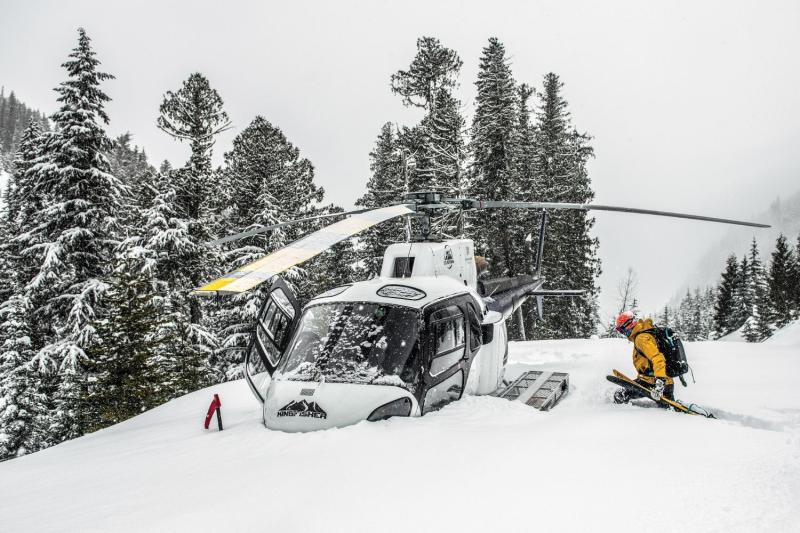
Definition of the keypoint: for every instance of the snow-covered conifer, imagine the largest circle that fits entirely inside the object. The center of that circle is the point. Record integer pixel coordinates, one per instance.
(266, 181)
(385, 187)
(498, 233)
(435, 147)
(121, 362)
(195, 114)
(780, 285)
(756, 328)
(742, 298)
(571, 258)
(725, 305)
(78, 229)
(21, 404)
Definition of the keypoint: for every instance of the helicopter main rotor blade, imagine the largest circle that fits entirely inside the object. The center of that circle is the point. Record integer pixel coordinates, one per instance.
(492, 204)
(262, 229)
(245, 278)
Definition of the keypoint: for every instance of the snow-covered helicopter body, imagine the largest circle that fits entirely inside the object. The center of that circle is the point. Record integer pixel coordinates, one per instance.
(420, 335)
(402, 344)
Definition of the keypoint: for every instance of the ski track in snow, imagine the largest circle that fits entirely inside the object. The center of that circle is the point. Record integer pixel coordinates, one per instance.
(480, 464)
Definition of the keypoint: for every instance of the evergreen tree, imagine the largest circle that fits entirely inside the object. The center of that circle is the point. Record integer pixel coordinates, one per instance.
(129, 343)
(267, 182)
(20, 401)
(129, 164)
(20, 193)
(755, 328)
(742, 298)
(666, 319)
(725, 321)
(78, 231)
(10, 119)
(439, 149)
(435, 147)
(385, 187)
(795, 276)
(498, 233)
(182, 364)
(435, 67)
(690, 317)
(780, 285)
(23, 213)
(333, 267)
(571, 258)
(195, 114)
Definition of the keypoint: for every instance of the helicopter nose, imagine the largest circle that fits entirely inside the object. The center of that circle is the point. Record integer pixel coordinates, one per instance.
(297, 406)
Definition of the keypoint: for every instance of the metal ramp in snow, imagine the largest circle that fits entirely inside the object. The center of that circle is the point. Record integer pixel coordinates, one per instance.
(537, 388)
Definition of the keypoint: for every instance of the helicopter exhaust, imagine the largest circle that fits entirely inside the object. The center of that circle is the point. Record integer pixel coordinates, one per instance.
(505, 295)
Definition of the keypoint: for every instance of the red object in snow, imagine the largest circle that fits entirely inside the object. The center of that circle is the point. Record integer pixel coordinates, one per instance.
(214, 408)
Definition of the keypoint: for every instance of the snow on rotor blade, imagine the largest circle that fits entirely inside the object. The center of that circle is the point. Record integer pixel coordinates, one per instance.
(245, 278)
(262, 229)
(595, 207)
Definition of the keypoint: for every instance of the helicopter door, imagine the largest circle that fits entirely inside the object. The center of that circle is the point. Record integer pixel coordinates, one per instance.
(447, 341)
(274, 325)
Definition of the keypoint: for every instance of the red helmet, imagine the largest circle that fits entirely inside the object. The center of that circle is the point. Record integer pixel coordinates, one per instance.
(625, 322)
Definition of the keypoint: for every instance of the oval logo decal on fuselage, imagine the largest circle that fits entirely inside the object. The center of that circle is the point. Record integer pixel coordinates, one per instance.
(448, 257)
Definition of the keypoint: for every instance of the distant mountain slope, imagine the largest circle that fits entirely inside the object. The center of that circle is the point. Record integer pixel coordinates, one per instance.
(783, 215)
(14, 118)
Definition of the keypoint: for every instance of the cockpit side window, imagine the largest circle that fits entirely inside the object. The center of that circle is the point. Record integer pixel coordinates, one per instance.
(449, 338)
(273, 324)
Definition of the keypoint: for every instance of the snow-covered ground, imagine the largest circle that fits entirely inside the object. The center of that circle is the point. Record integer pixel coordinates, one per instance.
(481, 464)
(786, 336)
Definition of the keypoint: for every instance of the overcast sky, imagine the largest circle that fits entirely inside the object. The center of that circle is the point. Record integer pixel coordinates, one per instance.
(693, 106)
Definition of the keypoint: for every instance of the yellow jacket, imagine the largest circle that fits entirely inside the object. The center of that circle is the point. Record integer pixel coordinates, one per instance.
(648, 360)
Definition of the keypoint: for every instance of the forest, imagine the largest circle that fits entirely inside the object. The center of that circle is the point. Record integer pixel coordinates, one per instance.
(751, 301)
(101, 247)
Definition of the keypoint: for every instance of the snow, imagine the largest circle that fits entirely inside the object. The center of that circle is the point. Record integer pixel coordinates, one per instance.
(734, 336)
(788, 335)
(480, 464)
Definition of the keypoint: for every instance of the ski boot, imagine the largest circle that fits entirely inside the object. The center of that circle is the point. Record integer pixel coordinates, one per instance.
(621, 396)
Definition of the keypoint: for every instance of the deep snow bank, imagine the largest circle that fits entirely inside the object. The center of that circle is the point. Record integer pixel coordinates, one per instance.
(481, 464)
(788, 335)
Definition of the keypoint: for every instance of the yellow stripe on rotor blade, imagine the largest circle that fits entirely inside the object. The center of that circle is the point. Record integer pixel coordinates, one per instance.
(253, 274)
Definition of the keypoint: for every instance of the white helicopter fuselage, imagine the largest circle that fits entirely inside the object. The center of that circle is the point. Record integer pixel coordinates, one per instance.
(402, 344)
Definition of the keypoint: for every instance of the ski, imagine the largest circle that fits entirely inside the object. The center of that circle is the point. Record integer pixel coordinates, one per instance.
(624, 381)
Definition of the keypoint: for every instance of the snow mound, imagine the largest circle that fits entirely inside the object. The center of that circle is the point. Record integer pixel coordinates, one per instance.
(733, 336)
(788, 335)
(480, 464)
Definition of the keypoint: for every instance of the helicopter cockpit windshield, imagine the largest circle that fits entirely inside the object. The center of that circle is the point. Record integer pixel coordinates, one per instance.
(354, 342)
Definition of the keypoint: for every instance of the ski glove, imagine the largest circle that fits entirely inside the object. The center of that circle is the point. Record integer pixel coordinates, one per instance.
(658, 390)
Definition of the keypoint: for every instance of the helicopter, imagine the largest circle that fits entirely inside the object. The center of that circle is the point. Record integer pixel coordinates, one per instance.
(420, 335)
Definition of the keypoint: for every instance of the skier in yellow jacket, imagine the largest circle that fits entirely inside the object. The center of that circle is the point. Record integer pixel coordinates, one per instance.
(650, 363)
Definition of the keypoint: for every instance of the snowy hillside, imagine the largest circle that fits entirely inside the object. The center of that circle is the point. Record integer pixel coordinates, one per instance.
(481, 464)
